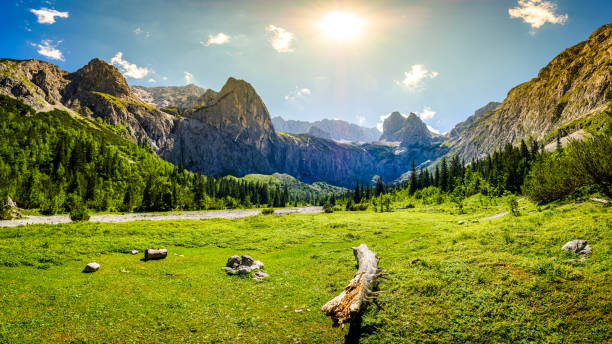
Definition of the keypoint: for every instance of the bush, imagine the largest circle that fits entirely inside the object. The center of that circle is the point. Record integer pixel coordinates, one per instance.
(328, 208)
(513, 205)
(267, 211)
(79, 214)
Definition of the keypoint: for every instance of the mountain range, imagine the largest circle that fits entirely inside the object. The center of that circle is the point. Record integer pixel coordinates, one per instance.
(230, 131)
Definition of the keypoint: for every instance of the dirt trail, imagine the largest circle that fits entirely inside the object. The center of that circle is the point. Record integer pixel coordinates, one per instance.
(501, 214)
(196, 215)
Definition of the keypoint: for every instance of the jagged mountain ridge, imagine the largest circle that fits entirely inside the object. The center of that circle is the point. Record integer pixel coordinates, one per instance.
(574, 86)
(231, 133)
(338, 130)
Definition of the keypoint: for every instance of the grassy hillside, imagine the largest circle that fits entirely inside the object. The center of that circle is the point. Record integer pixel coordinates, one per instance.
(297, 189)
(501, 280)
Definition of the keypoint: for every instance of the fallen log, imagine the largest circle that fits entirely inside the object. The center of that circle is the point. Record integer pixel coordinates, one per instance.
(360, 290)
(151, 253)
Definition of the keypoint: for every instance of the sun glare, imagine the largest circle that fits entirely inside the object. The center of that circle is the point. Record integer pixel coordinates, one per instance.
(341, 26)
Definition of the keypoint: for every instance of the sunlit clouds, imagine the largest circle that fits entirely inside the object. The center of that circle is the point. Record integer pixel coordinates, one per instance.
(298, 93)
(49, 49)
(129, 69)
(413, 78)
(217, 39)
(47, 16)
(189, 79)
(280, 39)
(537, 13)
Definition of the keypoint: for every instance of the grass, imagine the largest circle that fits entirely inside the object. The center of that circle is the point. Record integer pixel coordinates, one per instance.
(502, 280)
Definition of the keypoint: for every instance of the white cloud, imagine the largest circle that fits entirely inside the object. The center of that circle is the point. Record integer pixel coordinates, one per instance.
(361, 120)
(281, 39)
(298, 93)
(537, 13)
(164, 78)
(189, 78)
(217, 39)
(413, 78)
(48, 49)
(427, 113)
(152, 80)
(129, 69)
(47, 16)
(139, 31)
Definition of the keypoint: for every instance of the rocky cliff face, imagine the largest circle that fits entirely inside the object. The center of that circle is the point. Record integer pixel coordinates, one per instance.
(409, 131)
(338, 130)
(574, 85)
(169, 96)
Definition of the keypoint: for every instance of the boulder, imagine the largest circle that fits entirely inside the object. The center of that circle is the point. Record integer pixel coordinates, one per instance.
(233, 262)
(134, 252)
(461, 222)
(247, 260)
(229, 270)
(91, 267)
(260, 275)
(244, 270)
(577, 246)
(257, 265)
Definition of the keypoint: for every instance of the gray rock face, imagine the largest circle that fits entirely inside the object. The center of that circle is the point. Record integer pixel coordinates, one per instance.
(410, 131)
(338, 130)
(91, 267)
(169, 96)
(241, 265)
(577, 246)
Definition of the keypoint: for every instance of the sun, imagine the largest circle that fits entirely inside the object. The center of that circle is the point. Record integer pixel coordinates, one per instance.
(341, 26)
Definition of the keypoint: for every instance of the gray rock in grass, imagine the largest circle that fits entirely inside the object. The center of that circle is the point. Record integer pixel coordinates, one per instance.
(134, 252)
(234, 262)
(577, 246)
(461, 222)
(91, 267)
(260, 275)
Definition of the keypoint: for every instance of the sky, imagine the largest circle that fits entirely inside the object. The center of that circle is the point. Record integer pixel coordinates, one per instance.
(309, 60)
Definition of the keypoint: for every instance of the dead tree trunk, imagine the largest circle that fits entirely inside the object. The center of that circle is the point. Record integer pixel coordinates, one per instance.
(360, 289)
(155, 254)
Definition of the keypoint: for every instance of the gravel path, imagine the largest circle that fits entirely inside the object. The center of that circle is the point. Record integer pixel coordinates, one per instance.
(195, 215)
(501, 214)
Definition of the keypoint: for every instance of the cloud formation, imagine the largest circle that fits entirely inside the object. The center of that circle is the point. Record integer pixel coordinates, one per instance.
(129, 69)
(47, 16)
(427, 113)
(537, 13)
(280, 39)
(48, 49)
(139, 31)
(189, 78)
(217, 39)
(298, 93)
(413, 78)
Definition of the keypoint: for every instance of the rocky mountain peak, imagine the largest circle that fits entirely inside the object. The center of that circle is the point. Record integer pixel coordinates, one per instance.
(392, 125)
(99, 76)
(409, 130)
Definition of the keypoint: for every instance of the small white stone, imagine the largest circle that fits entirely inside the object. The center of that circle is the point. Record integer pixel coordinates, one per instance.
(91, 267)
(134, 252)
(461, 222)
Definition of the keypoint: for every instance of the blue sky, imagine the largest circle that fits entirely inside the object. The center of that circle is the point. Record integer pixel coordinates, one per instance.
(442, 59)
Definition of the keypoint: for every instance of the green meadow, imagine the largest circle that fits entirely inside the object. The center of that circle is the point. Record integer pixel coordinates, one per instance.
(504, 280)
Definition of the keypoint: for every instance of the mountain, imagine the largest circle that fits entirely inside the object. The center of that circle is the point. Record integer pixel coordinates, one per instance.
(338, 130)
(571, 92)
(228, 132)
(462, 126)
(169, 96)
(409, 131)
(295, 188)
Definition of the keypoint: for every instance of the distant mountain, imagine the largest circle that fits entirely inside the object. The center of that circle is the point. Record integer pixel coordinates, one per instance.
(409, 131)
(297, 189)
(571, 92)
(169, 96)
(338, 130)
(462, 126)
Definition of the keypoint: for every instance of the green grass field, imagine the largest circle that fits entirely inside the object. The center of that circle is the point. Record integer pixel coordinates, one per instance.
(497, 281)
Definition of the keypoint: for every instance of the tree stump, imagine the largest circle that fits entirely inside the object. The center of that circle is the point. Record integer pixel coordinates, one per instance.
(360, 290)
(151, 253)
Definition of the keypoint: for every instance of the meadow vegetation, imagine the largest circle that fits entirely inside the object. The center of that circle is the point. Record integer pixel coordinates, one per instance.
(491, 281)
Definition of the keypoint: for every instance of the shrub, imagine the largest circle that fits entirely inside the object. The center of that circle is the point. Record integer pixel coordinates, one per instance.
(513, 205)
(328, 208)
(267, 211)
(79, 214)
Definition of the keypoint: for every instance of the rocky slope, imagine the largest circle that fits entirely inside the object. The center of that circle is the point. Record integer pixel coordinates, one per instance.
(409, 131)
(169, 96)
(338, 130)
(572, 88)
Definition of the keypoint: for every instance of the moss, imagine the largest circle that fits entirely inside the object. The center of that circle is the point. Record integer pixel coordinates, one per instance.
(116, 101)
